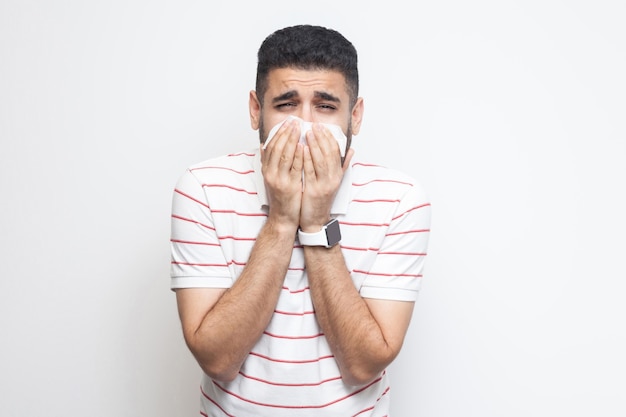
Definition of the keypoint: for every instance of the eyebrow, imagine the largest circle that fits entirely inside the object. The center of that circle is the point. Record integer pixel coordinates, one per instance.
(326, 96)
(318, 94)
(285, 96)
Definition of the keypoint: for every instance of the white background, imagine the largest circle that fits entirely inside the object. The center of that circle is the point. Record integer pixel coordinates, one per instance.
(511, 113)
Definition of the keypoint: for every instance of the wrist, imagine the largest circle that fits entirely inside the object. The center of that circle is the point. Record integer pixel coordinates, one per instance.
(313, 227)
(327, 235)
(279, 228)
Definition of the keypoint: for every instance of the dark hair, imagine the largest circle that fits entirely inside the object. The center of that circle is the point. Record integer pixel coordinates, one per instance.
(311, 48)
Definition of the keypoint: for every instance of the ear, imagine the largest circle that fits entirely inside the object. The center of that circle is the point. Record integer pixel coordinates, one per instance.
(357, 116)
(254, 107)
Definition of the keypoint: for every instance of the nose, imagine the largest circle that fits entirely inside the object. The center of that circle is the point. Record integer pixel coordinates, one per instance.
(306, 113)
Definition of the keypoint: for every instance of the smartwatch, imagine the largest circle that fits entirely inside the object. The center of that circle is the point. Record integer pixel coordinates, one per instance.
(328, 237)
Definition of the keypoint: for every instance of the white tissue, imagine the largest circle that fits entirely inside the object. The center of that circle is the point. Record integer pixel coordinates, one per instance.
(305, 127)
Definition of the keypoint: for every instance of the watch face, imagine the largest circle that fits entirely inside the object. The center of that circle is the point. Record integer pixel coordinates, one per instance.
(333, 233)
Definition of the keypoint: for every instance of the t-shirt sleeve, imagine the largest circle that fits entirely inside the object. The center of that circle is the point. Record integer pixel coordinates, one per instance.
(396, 273)
(197, 259)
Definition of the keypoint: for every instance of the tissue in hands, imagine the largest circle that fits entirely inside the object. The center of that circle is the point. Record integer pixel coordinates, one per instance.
(306, 126)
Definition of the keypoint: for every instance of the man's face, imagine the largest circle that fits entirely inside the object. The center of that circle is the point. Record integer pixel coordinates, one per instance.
(314, 96)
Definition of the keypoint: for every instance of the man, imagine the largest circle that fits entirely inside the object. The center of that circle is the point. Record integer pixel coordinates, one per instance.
(296, 268)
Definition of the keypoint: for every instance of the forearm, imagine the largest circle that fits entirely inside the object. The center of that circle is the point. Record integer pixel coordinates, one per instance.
(229, 330)
(356, 339)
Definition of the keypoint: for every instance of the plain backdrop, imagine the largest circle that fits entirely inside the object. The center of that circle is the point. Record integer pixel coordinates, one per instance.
(511, 114)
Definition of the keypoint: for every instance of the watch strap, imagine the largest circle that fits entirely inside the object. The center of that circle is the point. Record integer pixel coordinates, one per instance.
(328, 236)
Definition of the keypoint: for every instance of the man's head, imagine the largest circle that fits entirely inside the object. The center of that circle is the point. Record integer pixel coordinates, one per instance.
(310, 48)
(309, 72)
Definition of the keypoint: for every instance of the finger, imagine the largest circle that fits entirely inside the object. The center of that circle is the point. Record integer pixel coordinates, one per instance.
(325, 139)
(290, 148)
(278, 152)
(270, 143)
(324, 149)
(298, 160)
(308, 168)
(316, 153)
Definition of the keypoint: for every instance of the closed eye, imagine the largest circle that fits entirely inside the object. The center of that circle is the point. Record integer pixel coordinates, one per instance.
(285, 106)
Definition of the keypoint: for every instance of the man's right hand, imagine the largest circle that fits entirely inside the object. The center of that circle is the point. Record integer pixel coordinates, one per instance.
(282, 163)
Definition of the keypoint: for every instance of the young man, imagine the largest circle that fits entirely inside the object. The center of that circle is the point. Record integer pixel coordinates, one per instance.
(296, 267)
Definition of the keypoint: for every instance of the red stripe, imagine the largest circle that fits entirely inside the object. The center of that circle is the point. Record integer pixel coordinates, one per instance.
(232, 188)
(236, 238)
(364, 411)
(359, 249)
(231, 262)
(193, 243)
(192, 264)
(298, 406)
(238, 263)
(282, 384)
(365, 224)
(289, 313)
(175, 216)
(241, 153)
(372, 407)
(239, 214)
(366, 165)
(375, 201)
(258, 355)
(192, 198)
(411, 209)
(380, 274)
(378, 180)
(277, 336)
(383, 253)
(215, 403)
(403, 253)
(224, 168)
(408, 231)
(296, 291)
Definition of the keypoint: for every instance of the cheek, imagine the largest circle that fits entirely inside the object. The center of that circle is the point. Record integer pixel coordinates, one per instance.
(346, 125)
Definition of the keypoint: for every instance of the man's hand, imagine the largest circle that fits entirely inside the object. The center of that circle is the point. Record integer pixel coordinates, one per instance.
(282, 163)
(323, 173)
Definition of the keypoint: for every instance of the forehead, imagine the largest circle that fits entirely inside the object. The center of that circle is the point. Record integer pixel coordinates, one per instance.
(304, 82)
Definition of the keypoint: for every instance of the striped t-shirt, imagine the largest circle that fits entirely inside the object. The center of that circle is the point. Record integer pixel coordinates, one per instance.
(219, 207)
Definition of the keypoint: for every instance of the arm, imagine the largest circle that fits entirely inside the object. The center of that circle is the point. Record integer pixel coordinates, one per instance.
(365, 335)
(221, 326)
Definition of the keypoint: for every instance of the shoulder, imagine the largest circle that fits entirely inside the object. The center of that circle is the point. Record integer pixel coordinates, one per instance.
(225, 169)
(234, 163)
(228, 168)
(383, 180)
